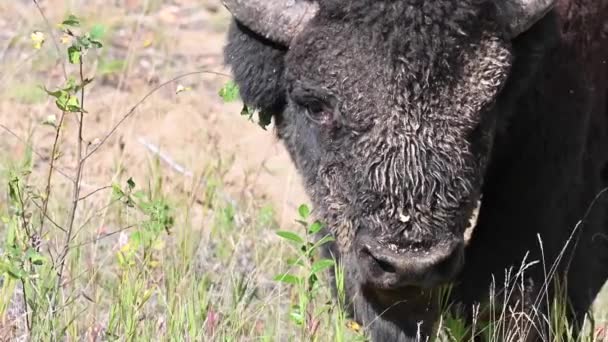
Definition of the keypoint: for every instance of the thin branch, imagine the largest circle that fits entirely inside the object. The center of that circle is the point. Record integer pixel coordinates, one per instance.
(48, 217)
(101, 237)
(28, 322)
(88, 220)
(50, 29)
(38, 154)
(94, 192)
(47, 191)
(142, 100)
(76, 186)
(24, 223)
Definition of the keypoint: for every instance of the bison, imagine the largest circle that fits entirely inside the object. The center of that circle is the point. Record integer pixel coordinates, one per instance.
(405, 118)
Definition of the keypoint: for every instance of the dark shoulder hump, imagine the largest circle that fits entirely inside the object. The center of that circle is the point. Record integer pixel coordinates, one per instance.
(584, 25)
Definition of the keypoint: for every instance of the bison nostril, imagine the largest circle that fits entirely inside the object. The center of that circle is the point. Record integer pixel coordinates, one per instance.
(384, 268)
(384, 265)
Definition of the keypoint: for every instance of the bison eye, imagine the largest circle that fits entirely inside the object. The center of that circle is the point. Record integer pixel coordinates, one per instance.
(319, 112)
(319, 107)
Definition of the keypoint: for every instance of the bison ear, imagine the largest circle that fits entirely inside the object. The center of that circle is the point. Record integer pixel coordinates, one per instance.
(277, 20)
(257, 66)
(520, 15)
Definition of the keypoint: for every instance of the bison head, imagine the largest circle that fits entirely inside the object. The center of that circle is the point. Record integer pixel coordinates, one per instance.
(387, 108)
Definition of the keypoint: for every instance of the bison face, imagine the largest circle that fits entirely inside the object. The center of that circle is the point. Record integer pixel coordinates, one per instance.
(387, 110)
(391, 132)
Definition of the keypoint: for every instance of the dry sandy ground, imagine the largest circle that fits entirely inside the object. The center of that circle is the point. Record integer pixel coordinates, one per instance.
(193, 128)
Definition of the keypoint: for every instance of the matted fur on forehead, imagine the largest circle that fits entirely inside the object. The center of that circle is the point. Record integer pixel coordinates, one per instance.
(417, 12)
(424, 33)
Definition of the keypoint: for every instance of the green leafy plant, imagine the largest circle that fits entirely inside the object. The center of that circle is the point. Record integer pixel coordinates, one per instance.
(81, 42)
(146, 237)
(26, 257)
(304, 276)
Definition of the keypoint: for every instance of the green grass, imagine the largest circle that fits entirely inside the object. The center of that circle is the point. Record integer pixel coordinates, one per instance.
(208, 276)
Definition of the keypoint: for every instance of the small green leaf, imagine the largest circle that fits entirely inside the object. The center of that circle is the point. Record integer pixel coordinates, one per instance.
(74, 54)
(315, 227)
(288, 278)
(56, 94)
(304, 211)
(229, 92)
(291, 236)
(71, 20)
(296, 317)
(34, 257)
(96, 44)
(62, 101)
(84, 42)
(72, 105)
(321, 265)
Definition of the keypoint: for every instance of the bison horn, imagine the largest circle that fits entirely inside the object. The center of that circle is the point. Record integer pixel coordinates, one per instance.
(279, 21)
(520, 15)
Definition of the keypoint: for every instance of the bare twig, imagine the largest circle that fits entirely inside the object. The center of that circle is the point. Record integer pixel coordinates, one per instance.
(28, 322)
(103, 236)
(94, 192)
(76, 185)
(47, 191)
(38, 154)
(89, 219)
(48, 217)
(142, 100)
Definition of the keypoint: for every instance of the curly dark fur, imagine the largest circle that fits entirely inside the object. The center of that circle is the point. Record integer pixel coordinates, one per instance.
(413, 108)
